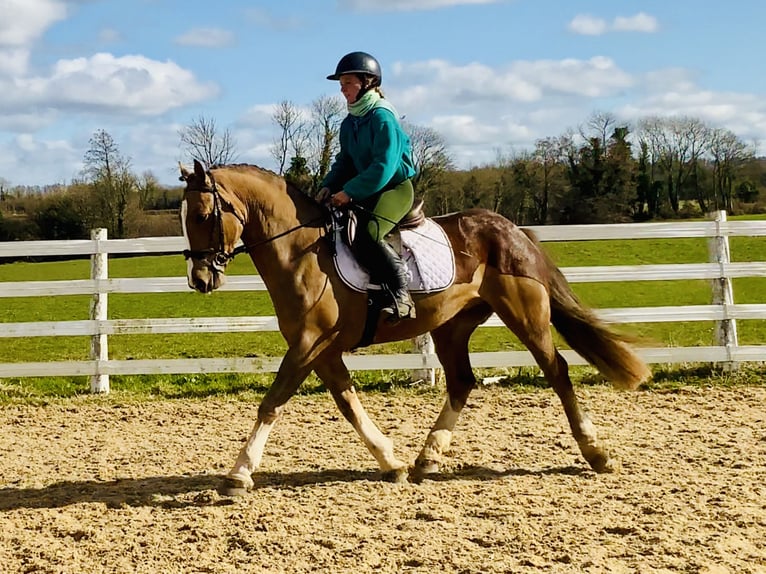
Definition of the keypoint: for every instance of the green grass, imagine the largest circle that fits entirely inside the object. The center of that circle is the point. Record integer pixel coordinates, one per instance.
(168, 305)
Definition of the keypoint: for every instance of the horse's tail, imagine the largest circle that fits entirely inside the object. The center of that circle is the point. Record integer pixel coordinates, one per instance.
(589, 336)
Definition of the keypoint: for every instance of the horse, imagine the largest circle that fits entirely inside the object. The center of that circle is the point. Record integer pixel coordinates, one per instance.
(499, 268)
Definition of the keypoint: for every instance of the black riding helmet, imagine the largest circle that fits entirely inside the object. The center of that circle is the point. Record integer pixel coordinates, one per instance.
(357, 63)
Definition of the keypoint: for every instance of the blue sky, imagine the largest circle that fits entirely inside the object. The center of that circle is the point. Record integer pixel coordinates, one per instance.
(490, 76)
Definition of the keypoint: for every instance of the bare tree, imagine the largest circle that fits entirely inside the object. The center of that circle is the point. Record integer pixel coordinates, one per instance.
(112, 181)
(550, 154)
(203, 141)
(600, 125)
(432, 160)
(147, 187)
(728, 152)
(292, 136)
(675, 144)
(327, 113)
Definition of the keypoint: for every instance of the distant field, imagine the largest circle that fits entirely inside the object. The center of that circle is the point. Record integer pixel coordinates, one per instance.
(566, 254)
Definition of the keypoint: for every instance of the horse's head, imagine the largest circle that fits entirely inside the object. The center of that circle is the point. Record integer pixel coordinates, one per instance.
(213, 219)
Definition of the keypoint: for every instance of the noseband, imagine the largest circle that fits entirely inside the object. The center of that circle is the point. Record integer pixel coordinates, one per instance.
(220, 257)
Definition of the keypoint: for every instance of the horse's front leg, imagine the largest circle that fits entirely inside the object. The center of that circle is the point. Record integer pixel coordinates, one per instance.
(292, 371)
(336, 378)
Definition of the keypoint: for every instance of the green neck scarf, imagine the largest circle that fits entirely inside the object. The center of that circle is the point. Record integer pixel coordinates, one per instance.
(364, 104)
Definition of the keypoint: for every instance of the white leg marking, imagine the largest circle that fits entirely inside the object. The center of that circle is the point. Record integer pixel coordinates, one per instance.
(381, 447)
(440, 437)
(251, 454)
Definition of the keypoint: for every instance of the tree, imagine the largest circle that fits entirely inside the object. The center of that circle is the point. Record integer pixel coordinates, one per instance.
(728, 153)
(549, 154)
(59, 217)
(147, 187)
(676, 144)
(3, 189)
(432, 160)
(600, 125)
(292, 134)
(112, 182)
(204, 142)
(326, 117)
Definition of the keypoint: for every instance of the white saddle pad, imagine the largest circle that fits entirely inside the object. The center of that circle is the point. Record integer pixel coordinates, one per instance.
(426, 250)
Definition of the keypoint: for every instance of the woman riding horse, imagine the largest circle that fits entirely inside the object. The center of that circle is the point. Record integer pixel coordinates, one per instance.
(373, 170)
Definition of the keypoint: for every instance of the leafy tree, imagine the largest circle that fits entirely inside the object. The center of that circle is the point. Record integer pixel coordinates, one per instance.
(59, 217)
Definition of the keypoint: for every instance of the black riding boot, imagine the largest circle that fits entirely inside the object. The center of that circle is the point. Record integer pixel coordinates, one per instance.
(393, 272)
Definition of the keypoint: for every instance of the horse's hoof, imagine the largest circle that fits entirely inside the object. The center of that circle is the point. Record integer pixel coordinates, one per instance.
(397, 475)
(604, 464)
(234, 487)
(423, 469)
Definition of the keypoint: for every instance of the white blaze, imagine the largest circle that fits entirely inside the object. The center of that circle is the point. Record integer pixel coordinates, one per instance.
(184, 209)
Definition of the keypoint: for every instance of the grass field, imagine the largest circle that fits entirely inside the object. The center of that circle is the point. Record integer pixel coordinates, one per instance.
(165, 305)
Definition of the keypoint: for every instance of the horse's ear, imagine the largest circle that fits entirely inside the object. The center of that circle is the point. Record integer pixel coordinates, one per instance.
(185, 173)
(199, 170)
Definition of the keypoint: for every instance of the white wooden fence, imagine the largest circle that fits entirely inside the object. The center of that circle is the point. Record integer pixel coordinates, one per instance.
(720, 271)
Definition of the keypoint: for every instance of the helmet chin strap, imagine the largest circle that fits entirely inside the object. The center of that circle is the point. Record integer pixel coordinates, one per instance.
(368, 83)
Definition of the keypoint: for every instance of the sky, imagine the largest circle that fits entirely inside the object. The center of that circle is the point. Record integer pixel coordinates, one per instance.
(490, 76)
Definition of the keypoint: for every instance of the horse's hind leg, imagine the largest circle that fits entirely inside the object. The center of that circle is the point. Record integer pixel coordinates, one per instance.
(451, 344)
(336, 378)
(524, 306)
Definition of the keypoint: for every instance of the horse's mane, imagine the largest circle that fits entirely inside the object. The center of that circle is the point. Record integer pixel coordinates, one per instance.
(249, 167)
(246, 167)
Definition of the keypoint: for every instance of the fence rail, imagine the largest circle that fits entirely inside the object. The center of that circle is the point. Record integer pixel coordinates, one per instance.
(720, 271)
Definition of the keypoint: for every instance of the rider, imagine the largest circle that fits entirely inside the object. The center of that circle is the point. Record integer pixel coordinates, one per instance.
(373, 170)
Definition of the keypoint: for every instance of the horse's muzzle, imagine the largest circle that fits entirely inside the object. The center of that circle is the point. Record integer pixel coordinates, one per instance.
(205, 278)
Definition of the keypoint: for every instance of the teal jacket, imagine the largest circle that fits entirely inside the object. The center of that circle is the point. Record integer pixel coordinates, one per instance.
(375, 154)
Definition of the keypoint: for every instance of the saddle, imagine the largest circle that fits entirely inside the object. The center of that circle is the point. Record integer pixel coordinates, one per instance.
(421, 243)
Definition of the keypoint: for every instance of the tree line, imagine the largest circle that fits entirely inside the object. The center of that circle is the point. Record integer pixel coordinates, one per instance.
(604, 171)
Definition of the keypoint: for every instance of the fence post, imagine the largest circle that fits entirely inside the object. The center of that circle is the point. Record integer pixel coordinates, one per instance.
(723, 292)
(424, 345)
(99, 349)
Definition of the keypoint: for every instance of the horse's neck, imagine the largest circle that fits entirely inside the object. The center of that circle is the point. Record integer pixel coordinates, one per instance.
(283, 226)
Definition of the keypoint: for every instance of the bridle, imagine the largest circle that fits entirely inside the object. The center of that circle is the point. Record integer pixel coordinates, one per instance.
(216, 259)
(220, 257)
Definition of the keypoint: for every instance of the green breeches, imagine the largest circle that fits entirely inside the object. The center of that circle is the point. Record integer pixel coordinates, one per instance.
(387, 208)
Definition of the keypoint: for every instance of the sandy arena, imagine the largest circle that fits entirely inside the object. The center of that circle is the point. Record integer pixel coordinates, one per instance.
(94, 485)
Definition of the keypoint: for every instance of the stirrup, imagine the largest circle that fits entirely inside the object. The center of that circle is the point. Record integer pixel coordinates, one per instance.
(396, 312)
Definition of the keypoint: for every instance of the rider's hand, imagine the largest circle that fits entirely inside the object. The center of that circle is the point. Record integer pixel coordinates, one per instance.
(323, 194)
(340, 199)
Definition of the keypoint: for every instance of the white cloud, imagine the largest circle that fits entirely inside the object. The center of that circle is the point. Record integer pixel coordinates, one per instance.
(109, 36)
(24, 21)
(206, 38)
(405, 5)
(588, 25)
(14, 62)
(267, 19)
(437, 84)
(640, 22)
(105, 83)
(54, 160)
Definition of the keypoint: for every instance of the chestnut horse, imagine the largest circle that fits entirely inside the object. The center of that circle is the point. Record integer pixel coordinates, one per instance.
(499, 268)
